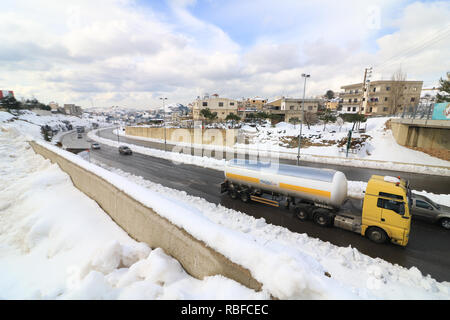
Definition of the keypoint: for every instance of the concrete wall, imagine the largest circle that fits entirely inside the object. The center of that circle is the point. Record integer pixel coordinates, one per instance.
(219, 137)
(144, 225)
(431, 137)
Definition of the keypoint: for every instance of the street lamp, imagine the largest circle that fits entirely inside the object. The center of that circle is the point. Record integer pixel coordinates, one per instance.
(304, 75)
(164, 109)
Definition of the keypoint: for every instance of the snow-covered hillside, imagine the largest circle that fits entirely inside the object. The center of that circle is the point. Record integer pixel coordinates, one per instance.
(376, 143)
(66, 247)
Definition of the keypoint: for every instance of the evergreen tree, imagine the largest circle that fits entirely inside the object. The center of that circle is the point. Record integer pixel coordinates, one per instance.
(326, 117)
(444, 87)
(10, 103)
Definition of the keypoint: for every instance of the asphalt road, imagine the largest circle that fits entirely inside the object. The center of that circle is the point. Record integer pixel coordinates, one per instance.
(428, 248)
(419, 182)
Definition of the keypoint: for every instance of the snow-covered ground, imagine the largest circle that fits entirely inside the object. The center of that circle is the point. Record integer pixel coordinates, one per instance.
(66, 247)
(51, 250)
(378, 151)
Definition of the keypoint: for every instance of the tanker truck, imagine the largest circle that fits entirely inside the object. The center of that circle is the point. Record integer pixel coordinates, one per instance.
(321, 195)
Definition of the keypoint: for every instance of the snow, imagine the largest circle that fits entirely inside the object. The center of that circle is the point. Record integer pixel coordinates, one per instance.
(358, 276)
(52, 250)
(379, 151)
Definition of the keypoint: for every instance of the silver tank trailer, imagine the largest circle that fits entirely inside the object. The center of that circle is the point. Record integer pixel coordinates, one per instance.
(319, 185)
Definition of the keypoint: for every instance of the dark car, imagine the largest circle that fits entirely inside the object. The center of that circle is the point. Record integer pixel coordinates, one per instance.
(95, 145)
(124, 150)
(425, 209)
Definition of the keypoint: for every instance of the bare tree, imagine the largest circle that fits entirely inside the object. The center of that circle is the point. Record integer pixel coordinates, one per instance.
(310, 118)
(397, 89)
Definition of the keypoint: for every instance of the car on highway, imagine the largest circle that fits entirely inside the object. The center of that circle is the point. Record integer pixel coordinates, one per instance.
(95, 145)
(124, 150)
(425, 209)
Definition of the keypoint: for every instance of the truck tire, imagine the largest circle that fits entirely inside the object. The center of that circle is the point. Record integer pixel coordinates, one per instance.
(302, 212)
(377, 235)
(322, 217)
(245, 197)
(233, 194)
(445, 223)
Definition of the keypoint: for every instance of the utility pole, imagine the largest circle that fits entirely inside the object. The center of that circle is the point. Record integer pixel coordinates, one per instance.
(365, 88)
(164, 109)
(304, 75)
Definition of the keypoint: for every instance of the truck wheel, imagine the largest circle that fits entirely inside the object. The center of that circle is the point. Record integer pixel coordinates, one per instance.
(245, 197)
(233, 194)
(445, 223)
(377, 235)
(322, 217)
(302, 212)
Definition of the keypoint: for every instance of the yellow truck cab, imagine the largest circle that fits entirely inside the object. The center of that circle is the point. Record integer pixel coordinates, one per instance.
(385, 212)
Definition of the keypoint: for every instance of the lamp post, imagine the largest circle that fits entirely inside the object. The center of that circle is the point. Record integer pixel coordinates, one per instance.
(304, 75)
(164, 109)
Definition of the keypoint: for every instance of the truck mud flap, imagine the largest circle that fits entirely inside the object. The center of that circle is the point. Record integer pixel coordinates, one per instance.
(224, 187)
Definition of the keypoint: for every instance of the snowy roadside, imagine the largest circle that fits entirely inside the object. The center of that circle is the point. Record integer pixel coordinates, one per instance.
(289, 265)
(355, 188)
(66, 247)
(357, 275)
(380, 146)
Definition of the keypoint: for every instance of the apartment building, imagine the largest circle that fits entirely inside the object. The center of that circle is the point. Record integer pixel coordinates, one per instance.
(381, 97)
(255, 103)
(290, 108)
(73, 110)
(223, 106)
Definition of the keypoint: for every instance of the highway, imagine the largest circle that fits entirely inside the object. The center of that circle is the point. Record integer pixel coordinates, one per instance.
(428, 248)
(419, 182)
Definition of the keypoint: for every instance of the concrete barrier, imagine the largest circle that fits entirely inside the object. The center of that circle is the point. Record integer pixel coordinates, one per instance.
(145, 225)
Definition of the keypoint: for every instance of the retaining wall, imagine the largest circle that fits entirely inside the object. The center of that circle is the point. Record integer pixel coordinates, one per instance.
(426, 136)
(219, 137)
(145, 225)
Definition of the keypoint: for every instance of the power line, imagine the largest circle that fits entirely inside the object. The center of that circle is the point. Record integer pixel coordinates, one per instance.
(415, 48)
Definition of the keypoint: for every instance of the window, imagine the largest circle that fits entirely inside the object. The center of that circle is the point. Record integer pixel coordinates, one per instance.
(291, 107)
(231, 103)
(374, 89)
(385, 98)
(220, 104)
(356, 91)
(396, 206)
(349, 100)
(310, 107)
(363, 99)
(348, 108)
(355, 100)
(423, 204)
(385, 109)
(388, 88)
(413, 99)
(205, 104)
(354, 109)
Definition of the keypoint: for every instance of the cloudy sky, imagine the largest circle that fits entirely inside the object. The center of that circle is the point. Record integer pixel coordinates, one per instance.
(131, 52)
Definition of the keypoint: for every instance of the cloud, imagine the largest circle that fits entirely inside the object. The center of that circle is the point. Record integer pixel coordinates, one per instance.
(126, 53)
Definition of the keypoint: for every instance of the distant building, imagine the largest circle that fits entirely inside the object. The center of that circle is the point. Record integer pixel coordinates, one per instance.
(55, 106)
(289, 108)
(383, 97)
(223, 106)
(6, 93)
(73, 110)
(255, 103)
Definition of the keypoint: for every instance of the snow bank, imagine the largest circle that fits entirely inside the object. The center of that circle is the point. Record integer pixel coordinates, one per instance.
(52, 250)
(356, 275)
